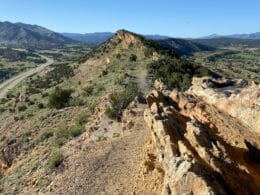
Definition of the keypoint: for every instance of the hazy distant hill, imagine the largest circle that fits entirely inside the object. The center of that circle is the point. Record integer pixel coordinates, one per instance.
(101, 37)
(156, 37)
(179, 46)
(184, 47)
(227, 42)
(236, 36)
(92, 38)
(20, 34)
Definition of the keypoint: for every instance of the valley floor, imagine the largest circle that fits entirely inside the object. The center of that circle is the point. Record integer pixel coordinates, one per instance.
(12, 82)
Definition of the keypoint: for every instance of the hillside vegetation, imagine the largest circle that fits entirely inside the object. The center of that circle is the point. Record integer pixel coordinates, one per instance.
(240, 62)
(82, 103)
(12, 62)
(165, 64)
(183, 47)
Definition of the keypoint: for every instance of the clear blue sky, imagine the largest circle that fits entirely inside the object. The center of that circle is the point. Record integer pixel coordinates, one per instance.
(179, 18)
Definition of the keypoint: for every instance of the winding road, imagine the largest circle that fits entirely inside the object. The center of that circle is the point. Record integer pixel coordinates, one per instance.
(12, 82)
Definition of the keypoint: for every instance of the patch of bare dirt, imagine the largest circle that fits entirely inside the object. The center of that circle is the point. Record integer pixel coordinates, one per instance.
(110, 165)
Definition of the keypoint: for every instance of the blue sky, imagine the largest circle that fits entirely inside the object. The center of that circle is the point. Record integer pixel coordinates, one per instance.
(179, 18)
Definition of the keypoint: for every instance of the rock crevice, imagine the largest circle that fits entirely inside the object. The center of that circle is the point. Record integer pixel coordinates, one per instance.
(202, 150)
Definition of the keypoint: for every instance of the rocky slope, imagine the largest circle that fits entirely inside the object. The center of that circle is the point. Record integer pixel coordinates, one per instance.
(231, 97)
(202, 145)
(111, 164)
(40, 154)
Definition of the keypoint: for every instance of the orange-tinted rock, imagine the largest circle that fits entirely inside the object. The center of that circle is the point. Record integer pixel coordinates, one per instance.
(202, 147)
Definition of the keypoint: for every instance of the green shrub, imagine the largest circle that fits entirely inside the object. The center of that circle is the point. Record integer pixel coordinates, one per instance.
(2, 110)
(43, 181)
(118, 56)
(148, 52)
(46, 135)
(132, 58)
(59, 141)
(119, 80)
(21, 108)
(92, 104)
(62, 132)
(16, 118)
(104, 73)
(59, 98)
(177, 72)
(111, 113)
(77, 101)
(120, 100)
(30, 102)
(3, 100)
(11, 110)
(88, 91)
(100, 88)
(82, 118)
(40, 105)
(76, 130)
(55, 160)
(44, 95)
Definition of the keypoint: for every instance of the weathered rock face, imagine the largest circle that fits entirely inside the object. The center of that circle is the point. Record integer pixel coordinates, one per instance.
(126, 38)
(231, 97)
(202, 149)
(8, 155)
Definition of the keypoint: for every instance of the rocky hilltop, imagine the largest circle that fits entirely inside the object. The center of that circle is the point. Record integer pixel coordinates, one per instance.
(202, 142)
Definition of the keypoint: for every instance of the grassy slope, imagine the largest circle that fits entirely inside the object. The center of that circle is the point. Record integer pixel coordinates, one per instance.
(36, 132)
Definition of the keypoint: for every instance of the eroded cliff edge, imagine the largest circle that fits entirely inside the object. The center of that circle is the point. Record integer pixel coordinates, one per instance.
(206, 139)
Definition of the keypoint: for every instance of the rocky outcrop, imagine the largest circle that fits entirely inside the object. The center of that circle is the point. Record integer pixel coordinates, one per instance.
(8, 155)
(234, 97)
(202, 149)
(127, 39)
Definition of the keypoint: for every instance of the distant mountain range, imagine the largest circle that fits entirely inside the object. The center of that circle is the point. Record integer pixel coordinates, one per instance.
(92, 38)
(228, 42)
(234, 36)
(100, 37)
(34, 36)
(184, 47)
(20, 34)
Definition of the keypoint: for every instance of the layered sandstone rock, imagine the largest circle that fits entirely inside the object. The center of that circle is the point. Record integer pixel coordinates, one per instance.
(202, 149)
(127, 39)
(232, 97)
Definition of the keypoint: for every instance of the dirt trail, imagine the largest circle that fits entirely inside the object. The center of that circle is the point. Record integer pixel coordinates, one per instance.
(12, 82)
(143, 81)
(108, 167)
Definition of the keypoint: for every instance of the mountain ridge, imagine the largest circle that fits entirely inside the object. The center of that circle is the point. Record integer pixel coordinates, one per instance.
(185, 47)
(100, 37)
(253, 36)
(27, 35)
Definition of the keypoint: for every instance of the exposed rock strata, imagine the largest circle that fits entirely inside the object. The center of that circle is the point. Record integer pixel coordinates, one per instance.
(232, 97)
(202, 149)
